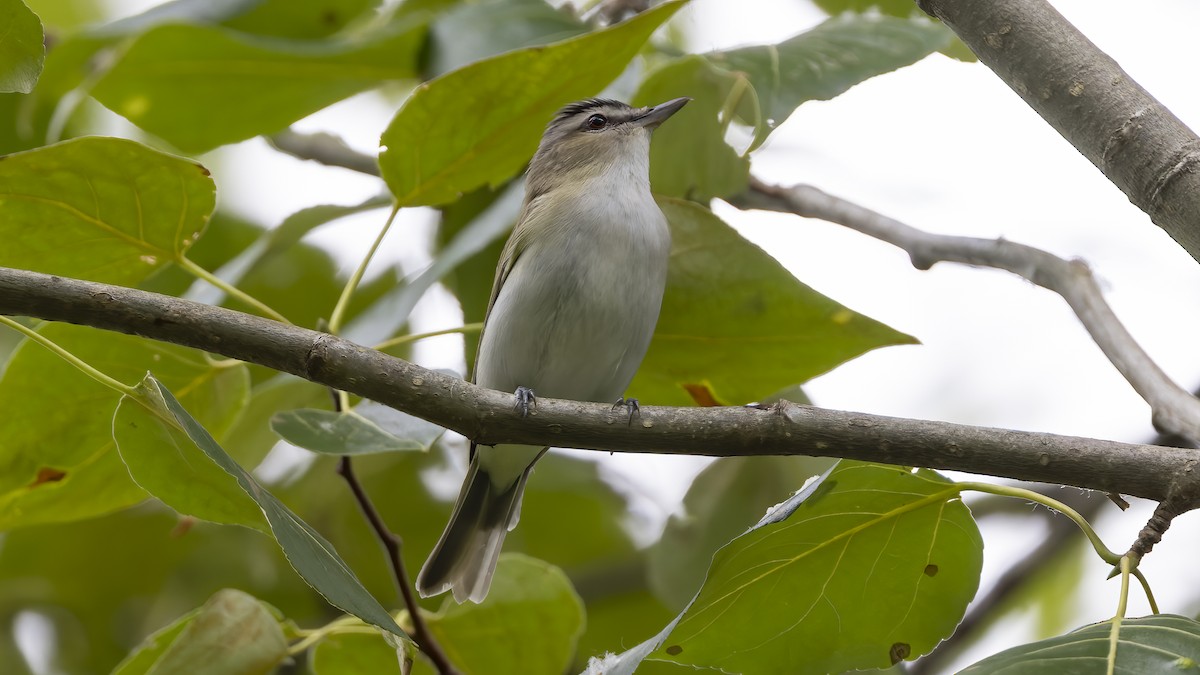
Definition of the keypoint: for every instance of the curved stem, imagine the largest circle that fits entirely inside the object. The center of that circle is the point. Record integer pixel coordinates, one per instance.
(68, 357)
(345, 624)
(343, 303)
(1146, 588)
(233, 291)
(1114, 635)
(1103, 551)
(405, 339)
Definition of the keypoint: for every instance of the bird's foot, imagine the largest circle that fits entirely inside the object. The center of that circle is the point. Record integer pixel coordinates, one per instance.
(629, 404)
(525, 401)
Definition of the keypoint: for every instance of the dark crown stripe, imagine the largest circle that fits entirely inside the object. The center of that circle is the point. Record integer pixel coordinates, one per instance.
(573, 109)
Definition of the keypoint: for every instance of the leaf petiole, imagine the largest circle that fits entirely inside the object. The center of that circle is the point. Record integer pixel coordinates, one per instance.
(343, 303)
(231, 290)
(1020, 493)
(68, 357)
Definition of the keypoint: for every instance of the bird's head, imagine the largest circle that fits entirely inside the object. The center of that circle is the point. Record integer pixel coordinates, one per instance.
(593, 136)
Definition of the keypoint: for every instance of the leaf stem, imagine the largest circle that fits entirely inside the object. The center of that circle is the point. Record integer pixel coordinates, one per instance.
(231, 290)
(1005, 490)
(345, 624)
(1114, 635)
(405, 339)
(68, 357)
(343, 303)
(1146, 588)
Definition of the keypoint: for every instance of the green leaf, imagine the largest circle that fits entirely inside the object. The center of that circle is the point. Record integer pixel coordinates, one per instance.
(689, 157)
(528, 625)
(1164, 643)
(475, 31)
(103, 209)
(761, 330)
(437, 148)
(232, 634)
(369, 428)
(307, 551)
(729, 496)
(875, 565)
(302, 19)
(900, 8)
(58, 461)
(167, 80)
(829, 59)
(354, 654)
(167, 464)
(21, 49)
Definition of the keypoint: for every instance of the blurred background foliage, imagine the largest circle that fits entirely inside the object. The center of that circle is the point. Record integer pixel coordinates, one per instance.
(94, 567)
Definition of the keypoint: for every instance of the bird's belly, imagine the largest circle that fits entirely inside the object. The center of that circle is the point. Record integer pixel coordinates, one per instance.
(575, 326)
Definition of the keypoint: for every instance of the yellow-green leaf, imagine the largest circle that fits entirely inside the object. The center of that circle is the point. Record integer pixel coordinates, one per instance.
(203, 86)
(761, 329)
(480, 124)
(103, 209)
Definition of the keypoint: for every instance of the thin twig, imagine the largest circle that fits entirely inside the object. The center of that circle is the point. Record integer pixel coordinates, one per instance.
(1174, 408)
(393, 544)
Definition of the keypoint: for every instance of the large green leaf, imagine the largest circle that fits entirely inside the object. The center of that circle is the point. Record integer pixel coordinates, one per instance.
(58, 461)
(480, 124)
(307, 551)
(103, 209)
(474, 31)
(1163, 643)
(761, 330)
(202, 86)
(829, 59)
(21, 50)
(304, 19)
(876, 566)
(689, 157)
(729, 496)
(232, 634)
(865, 567)
(167, 464)
(528, 625)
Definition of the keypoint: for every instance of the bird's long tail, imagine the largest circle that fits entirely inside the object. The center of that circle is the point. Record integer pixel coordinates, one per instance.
(464, 559)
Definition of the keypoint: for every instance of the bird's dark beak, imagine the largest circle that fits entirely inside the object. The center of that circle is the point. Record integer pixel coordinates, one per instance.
(659, 113)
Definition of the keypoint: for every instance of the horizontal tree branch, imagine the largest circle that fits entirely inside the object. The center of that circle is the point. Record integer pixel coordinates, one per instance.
(1174, 408)
(489, 417)
(1144, 149)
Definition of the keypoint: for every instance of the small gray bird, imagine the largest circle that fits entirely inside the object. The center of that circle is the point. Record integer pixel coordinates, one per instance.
(576, 296)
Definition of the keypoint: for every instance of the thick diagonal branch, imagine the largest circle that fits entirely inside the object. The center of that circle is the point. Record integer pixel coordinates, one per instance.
(488, 417)
(1145, 150)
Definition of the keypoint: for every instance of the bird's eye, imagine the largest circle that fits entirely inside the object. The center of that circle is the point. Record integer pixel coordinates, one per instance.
(596, 122)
